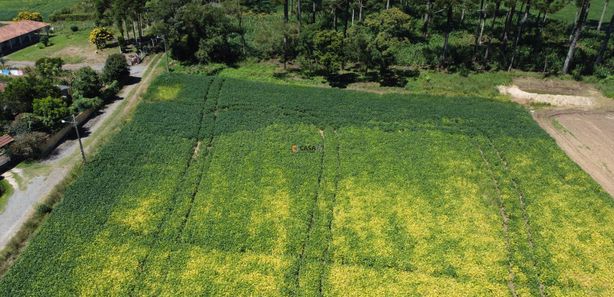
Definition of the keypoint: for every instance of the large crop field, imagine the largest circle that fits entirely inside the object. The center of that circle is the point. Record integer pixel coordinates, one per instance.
(200, 194)
(10, 8)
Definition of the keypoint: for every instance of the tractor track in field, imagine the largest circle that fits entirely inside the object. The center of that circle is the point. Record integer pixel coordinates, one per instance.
(312, 217)
(204, 166)
(209, 148)
(523, 208)
(328, 248)
(505, 221)
(176, 192)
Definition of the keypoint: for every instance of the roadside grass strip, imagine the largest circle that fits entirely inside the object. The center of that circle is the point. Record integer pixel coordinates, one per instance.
(223, 187)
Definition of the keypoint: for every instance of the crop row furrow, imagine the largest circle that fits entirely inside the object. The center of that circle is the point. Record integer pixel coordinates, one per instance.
(331, 216)
(506, 178)
(504, 221)
(184, 206)
(209, 147)
(182, 184)
(311, 219)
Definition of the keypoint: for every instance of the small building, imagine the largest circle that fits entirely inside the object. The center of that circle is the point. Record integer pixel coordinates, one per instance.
(5, 159)
(5, 140)
(17, 35)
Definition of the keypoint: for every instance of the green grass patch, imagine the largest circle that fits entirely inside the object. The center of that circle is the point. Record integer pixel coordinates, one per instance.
(389, 195)
(568, 13)
(478, 84)
(72, 47)
(605, 85)
(268, 72)
(6, 190)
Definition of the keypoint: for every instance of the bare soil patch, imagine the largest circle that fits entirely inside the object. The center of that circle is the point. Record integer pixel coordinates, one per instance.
(587, 138)
(578, 117)
(556, 93)
(527, 98)
(555, 86)
(87, 55)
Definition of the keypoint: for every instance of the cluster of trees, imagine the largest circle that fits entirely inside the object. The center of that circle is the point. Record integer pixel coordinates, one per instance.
(128, 16)
(328, 36)
(33, 106)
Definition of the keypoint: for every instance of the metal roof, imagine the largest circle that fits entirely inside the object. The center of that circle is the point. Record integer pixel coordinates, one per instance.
(5, 140)
(16, 29)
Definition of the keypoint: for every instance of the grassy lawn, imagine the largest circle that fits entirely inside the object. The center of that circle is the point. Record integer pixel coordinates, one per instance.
(10, 8)
(427, 83)
(6, 190)
(568, 13)
(200, 194)
(73, 47)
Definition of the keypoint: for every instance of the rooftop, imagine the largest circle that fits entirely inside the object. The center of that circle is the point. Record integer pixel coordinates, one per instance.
(16, 29)
(5, 140)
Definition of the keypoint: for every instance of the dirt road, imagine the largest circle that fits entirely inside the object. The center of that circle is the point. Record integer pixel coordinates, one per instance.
(72, 67)
(587, 137)
(33, 183)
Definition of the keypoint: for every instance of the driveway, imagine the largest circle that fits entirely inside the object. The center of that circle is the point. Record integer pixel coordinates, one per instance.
(34, 182)
(72, 67)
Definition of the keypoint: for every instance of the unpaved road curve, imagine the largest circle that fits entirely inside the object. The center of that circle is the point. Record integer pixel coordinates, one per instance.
(581, 120)
(587, 137)
(39, 180)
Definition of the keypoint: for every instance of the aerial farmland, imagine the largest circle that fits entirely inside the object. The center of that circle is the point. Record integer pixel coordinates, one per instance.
(202, 194)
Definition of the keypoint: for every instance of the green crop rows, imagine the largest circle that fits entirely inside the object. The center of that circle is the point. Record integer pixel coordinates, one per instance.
(10, 8)
(201, 195)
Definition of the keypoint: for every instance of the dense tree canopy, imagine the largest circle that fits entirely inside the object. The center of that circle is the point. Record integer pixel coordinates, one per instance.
(20, 92)
(476, 35)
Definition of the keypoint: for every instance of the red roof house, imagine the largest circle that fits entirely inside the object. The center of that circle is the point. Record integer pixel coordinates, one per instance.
(5, 140)
(17, 35)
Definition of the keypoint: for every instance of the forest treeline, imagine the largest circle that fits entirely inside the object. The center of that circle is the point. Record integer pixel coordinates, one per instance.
(336, 36)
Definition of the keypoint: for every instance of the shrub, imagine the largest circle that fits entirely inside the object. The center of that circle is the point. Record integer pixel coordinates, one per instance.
(29, 15)
(115, 69)
(110, 91)
(27, 146)
(86, 83)
(50, 111)
(100, 36)
(74, 28)
(43, 208)
(49, 68)
(25, 123)
(603, 71)
(82, 104)
(45, 40)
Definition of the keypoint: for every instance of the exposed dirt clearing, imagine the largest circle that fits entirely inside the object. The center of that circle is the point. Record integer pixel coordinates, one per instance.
(557, 93)
(526, 98)
(556, 86)
(581, 121)
(587, 138)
